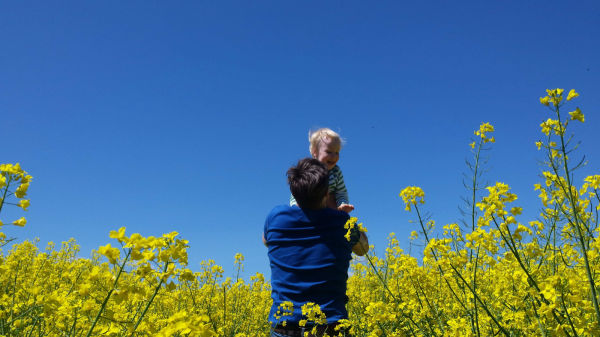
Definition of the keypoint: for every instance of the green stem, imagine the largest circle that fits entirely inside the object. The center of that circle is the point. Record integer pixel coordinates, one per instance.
(89, 333)
(74, 325)
(562, 300)
(149, 301)
(5, 191)
(473, 200)
(474, 187)
(537, 316)
(474, 285)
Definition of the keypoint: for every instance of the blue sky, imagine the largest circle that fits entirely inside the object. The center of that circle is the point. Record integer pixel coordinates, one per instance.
(163, 116)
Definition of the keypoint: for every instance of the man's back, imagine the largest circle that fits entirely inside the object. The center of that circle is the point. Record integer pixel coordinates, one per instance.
(309, 258)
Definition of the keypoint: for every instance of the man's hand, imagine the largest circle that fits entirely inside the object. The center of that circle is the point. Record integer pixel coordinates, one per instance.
(346, 208)
(362, 246)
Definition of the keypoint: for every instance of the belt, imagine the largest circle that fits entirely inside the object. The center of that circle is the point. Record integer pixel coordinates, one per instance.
(297, 331)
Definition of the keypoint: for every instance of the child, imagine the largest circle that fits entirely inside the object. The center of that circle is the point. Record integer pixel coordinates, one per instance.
(325, 145)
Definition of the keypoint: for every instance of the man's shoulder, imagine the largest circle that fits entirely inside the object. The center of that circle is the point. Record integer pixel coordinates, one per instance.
(284, 216)
(282, 210)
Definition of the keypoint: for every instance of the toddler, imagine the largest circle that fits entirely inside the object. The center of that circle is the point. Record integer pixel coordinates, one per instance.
(325, 145)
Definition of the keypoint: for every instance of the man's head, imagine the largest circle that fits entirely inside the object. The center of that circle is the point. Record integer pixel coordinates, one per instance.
(309, 183)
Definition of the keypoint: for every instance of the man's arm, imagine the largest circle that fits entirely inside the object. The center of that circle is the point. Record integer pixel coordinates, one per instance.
(264, 240)
(361, 247)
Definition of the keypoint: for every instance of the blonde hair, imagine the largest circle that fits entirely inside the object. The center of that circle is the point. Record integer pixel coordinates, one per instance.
(315, 137)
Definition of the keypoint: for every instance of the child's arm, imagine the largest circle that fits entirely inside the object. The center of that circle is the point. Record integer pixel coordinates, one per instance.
(341, 193)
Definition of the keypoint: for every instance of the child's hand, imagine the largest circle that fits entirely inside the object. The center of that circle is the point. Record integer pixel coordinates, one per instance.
(346, 208)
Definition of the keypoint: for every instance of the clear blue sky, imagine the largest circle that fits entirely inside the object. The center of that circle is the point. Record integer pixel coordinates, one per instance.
(163, 116)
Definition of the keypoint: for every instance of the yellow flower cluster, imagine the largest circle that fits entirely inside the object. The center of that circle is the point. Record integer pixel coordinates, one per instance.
(555, 96)
(314, 316)
(12, 175)
(285, 309)
(552, 125)
(411, 195)
(494, 203)
(350, 225)
(484, 129)
(496, 275)
(143, 290)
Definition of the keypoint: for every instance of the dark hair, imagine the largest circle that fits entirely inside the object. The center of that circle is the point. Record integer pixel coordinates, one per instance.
(309, 182)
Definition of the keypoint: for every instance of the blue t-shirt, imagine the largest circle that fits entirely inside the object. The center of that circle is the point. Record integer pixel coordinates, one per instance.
(309, 258)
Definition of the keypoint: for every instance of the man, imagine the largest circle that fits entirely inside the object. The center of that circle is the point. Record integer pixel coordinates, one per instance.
(308, 253)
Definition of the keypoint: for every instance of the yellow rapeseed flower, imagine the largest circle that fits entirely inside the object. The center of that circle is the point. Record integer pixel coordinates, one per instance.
(577, 115)
(119, 235)
(24, 204)
(111, 253)
(21, 191)
(20, 222)
(593, 181)
(572, 94)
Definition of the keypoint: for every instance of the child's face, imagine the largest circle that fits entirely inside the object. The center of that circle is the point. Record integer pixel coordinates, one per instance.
(328, 152)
